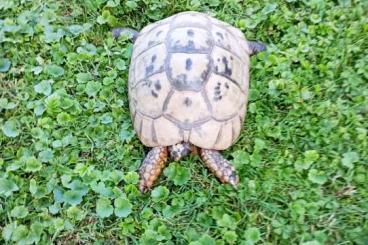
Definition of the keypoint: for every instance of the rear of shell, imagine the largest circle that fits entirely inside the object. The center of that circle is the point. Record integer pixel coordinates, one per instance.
(188, 82)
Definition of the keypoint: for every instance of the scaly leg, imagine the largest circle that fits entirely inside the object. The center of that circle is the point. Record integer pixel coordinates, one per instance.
(219, 166)
(152, 167)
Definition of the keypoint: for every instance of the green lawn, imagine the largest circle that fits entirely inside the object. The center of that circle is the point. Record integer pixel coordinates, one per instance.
(69, 155)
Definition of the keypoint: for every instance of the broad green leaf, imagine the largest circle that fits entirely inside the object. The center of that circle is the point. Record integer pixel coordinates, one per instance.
(5, 104)
(33, 164)
(35, 232)
(73, 197)
(92, 88)
(131, 4)
(11, 128)
(8, 230)
(230, 237)
(63, 118)
(4, 64)
(177, 173)
(314, 242)
(317, 177)
(131, 178)
(311, 156)
(44, 87)
(7, 187)
(159, 193)
(227, 221)
(252, 234)
(123, 207)
(54, 70)
(207, 240)
(20, 234)
(106, 118)
(259, 144)
(75, 29)
(120, 64)
(349, 158)
(37, 70)
(84, 77)
(269, 8)
(104, 208)
(46, 155)
(33, 186)
(19, 212)
(75, 213)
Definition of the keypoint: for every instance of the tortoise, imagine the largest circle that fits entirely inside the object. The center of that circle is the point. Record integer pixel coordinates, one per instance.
(188, 91)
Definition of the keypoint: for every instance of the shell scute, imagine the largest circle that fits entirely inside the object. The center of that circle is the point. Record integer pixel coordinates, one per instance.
(188, 71)
(149, 95)
(149, 63)
(189, 40)
(225, 97)
(187, 108)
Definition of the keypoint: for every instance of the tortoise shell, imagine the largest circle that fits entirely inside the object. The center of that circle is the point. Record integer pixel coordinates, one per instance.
(188, 82)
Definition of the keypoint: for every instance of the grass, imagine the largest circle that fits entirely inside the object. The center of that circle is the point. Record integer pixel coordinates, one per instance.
(69, 155)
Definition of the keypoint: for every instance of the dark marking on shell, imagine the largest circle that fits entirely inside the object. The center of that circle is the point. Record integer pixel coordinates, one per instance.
(158, 33)
(150, 43)
(149, 70)
(154, 94)
(206, 71)
(217, 98)
(228, 70)
(157, 85)
(188, 64)
(153, 58)
(190, 45)
(217, 93)
(146, 83)
(187, 102)
(220, 35)
(227, 85)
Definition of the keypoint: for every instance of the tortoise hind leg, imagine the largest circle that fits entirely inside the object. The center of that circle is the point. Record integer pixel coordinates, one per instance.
(151, 167)
(219, 166)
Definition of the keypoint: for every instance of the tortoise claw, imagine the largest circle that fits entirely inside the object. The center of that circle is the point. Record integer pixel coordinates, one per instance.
(142, 188)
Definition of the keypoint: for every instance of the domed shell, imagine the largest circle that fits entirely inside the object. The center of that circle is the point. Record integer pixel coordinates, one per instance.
(188, 81)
